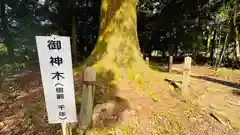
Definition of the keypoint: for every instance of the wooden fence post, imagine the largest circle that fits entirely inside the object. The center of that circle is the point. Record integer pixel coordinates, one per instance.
(88, 92)
(170, 63)
(186, 72)
(147, 60)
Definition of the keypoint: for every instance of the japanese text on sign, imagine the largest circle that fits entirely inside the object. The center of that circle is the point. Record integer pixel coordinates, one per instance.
(54, 54)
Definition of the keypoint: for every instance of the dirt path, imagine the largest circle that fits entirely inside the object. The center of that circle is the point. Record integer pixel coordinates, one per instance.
(217, 95)
(22, 110)
(154, 110)
(143, 107)
(217, 92)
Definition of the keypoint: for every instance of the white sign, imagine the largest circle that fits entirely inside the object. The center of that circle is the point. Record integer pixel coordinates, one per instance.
(55, 60)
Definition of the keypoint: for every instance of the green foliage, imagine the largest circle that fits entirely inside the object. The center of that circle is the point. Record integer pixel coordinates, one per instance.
(3, 50)
(223, 13)
(7, 68)
(59, 131)
(30, 133)
(182, 29)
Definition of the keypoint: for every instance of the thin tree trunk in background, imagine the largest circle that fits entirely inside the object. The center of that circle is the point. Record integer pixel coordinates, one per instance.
(218, 43)
(176, 51)
(74, 33)
(6, 34)
(208, 42)
(213, 46)
(237, 53)
(74, 40)
(223, 50)
(220, 36)
(195, 49)
(85, 25)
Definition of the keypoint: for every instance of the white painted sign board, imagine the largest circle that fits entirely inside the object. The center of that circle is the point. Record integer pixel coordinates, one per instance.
(54, 53)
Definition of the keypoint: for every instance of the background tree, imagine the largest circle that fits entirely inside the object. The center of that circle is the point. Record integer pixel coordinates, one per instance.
(187, 30)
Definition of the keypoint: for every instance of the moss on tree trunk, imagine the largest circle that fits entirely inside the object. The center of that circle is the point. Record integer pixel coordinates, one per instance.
(117, 45)
(117, 51)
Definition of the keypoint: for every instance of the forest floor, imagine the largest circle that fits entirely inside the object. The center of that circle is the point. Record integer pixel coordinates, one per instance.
(140, 106)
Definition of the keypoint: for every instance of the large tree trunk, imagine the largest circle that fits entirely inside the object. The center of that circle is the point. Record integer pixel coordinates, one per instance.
(117, 45)
(117, 51)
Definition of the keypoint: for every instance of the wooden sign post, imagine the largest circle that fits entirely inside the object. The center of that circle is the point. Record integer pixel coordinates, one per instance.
(186, 72)
(64, 128)
(88, 92)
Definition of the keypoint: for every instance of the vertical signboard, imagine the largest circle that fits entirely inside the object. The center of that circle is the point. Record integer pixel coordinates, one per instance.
(55, 60)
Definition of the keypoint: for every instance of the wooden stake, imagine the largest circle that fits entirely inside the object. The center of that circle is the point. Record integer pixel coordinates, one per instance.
(87, 98)
(147, 60)
(64, 128)
(186, 72)
(170, 63)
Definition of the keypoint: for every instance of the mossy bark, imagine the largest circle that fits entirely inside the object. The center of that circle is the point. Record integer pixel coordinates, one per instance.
(237, 48)
(117, 45)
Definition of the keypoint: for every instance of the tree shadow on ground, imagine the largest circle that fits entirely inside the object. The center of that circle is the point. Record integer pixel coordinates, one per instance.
(108, 107)
(162, 67)
(23, 107)
(21, 81)
(222, 82)
(236, 92)
(174, 84)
